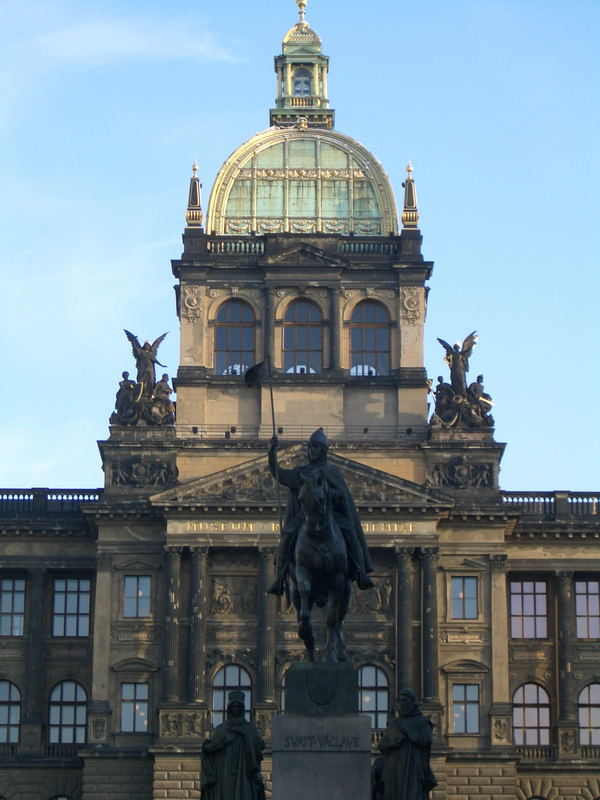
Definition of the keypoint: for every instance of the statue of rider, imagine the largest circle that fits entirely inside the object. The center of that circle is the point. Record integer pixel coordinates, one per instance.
(344, 511)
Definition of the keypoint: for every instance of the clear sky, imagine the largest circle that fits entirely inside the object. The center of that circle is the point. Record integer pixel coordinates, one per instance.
(106, 103)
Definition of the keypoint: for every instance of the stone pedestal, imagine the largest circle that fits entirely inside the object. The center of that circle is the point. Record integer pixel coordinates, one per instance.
(323, 757)
(321, 746)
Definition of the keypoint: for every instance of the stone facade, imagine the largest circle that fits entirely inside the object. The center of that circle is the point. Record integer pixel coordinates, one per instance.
(128, 611)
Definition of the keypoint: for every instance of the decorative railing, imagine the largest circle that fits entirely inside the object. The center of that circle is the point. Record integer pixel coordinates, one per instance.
(537, 753)
(303, 102)
(61, 750)
(362, 247)
(8, 750)
(234, 247)
(46, 501)
(554, 504)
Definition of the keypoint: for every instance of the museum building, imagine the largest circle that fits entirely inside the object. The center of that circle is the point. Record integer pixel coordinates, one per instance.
(128, 613)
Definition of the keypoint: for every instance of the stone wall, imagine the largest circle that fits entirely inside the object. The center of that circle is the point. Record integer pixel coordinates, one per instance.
(39, 782)
(176, 778)
(117, 779)
(484, 780)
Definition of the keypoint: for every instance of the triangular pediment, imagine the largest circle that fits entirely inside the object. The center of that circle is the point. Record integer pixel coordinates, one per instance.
(305, 255)
(250, 485)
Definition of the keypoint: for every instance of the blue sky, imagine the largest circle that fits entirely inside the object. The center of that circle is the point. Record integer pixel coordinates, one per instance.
(105, 105)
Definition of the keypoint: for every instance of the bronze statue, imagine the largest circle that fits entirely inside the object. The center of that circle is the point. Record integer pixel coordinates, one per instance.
(126, 398)
(145, 359)
(406, 745)
(456, 405)
(457, 358)
(322, 546)
(231, 759)
(344, 512)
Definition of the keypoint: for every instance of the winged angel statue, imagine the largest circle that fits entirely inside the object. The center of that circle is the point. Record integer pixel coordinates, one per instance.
(457, 404)
(144, 401)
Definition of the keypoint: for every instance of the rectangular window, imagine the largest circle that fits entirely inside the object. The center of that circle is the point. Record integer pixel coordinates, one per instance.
(587, 605)
(134, 707)
(465, 708)
(12, 606)
(137, 596)
(464, 598)
(528, 610)
(71, 609)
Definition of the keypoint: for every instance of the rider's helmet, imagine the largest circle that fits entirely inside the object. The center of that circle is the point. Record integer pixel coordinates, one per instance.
(318, 437)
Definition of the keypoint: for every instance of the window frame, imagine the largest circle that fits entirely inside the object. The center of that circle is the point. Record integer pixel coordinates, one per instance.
(65, 614)
(539, 728)
(62, 704)
(587, 616)
(218, 715)
(295, 353)
(466, 703)
(132, 701)
(593, 731)
(235, 357)
(452, 599)
(306, 76)
(11, 703)
(535, 616)
(11, 614)
(137, 616)
(377, 689)
(365, 354)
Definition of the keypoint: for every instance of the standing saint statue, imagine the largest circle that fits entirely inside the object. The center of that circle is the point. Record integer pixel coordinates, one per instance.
(231, 759)
(457, 358)
(406, 745)
(145, 359)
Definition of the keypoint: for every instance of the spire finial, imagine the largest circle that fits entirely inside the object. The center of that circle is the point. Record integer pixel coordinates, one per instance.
(193, 215)
(301, 10)
(410, 212)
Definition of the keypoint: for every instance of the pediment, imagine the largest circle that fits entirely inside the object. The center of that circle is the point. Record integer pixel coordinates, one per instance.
(305, 255)
(250, 485)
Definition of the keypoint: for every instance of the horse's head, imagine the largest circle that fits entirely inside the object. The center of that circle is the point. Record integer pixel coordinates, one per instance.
(314, 496)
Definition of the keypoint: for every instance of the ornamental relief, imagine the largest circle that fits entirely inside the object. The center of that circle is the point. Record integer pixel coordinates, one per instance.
(234, 596)
(411, 304)
(181, 724)
(142, 473)
(191, 303)
(373, 601)
(241, 227)
(294, 173)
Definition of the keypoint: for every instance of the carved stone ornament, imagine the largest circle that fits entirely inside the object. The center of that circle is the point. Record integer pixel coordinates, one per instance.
(234, 596)
(303, 226)
(142, 473)
(241, 227)
(335, 226)
(191, 303)
(501, 731)
(568, 741)
(180, 724)
(461, 474)
(368, 228)
(411, 305)
(270, 225)
(98, 728)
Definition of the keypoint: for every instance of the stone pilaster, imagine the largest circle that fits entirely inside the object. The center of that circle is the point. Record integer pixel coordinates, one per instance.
(99, 709)
(31, 726)
(430, 669)
(265, 705)
(334, 329)
(565, 630)
(268, 325)
(172, 613)
(196, 687)
(500, 714)
(404, 648)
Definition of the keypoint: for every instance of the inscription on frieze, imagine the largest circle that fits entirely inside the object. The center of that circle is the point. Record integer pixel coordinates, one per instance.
(325, 743)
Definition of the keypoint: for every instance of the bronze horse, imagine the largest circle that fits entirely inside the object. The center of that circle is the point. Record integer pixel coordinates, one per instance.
(320, 569)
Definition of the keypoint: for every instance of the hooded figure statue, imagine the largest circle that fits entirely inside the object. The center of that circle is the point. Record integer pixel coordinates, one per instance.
(406, 745)
(231, 759)
(344, 511)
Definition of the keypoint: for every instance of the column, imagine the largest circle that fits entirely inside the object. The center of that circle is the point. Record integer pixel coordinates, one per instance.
(429, 559)
(268, 325)
(35, 652)
(565, 627)
(266, 627)
(404, 648)
(288, 80)
(334, 329)
(501, 709)
(172, 611)
(196, 689)
(315, 88)
(324, 75)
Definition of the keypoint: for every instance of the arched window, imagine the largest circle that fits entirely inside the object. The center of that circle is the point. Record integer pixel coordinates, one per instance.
(228, 679)
(234, 338)
(61, 797)
(531, 715)
(302, 83)
(302, 338)
(67, 714)
(373, 695)
(10, 712)
(589, 715)
(370, 339)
